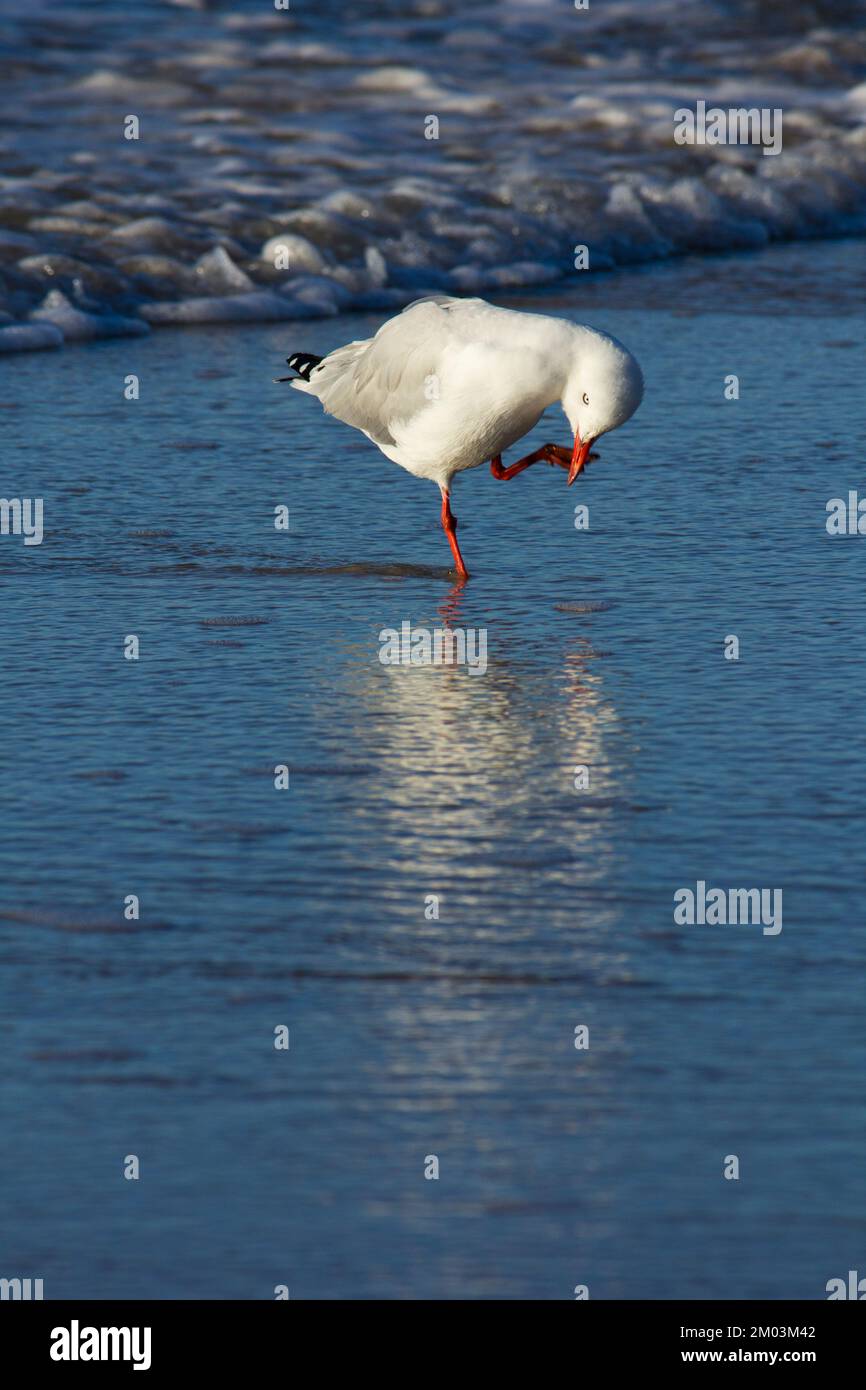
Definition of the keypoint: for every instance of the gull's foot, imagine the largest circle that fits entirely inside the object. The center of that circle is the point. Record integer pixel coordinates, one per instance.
(558, 456)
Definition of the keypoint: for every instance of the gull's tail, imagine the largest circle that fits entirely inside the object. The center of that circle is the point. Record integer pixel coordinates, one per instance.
(302, 363)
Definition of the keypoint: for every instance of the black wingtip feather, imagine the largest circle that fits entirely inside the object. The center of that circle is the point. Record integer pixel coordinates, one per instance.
(303, 363)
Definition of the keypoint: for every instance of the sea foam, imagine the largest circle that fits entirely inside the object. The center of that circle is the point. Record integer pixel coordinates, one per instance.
(291, 165)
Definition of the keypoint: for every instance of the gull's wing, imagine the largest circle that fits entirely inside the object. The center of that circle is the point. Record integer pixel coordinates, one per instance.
(387, 380)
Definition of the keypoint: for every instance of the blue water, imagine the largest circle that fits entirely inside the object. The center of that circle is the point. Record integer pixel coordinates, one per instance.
(451, 1037)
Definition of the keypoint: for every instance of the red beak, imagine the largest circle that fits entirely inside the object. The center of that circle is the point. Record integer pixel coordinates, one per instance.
(578, 458)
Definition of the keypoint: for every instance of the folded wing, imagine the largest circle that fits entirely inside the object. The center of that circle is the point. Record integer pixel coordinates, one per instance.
(384, 382)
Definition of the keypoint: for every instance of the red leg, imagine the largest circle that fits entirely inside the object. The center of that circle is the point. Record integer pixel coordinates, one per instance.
(548, 453)
(555, 454)
(503, 474)
(449, 522)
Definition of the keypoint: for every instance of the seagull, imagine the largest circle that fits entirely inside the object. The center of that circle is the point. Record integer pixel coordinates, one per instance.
(448, 384)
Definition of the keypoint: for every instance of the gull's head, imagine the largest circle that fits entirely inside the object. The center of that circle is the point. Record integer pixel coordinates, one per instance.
(603, 389)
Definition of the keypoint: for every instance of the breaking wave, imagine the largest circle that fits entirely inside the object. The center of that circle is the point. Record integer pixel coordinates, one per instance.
(283, 168)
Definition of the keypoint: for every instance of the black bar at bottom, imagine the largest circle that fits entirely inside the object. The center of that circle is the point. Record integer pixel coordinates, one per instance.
(219, 1338)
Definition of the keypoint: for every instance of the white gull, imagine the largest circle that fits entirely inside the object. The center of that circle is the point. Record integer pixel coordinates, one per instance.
(450, 383)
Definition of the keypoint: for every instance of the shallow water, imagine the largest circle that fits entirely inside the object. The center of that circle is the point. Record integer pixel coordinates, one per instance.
(453, 1037)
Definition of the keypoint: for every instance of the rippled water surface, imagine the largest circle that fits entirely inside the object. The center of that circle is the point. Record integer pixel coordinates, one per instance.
(412, 1037)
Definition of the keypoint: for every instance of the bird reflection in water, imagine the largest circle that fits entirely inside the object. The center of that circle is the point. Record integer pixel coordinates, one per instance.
(449, 609)
(478, 771)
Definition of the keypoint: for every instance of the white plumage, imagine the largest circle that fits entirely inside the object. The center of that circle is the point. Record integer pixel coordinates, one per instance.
(451, 383)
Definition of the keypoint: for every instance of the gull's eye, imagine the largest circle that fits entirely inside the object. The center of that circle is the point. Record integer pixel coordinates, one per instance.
(585, 398)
